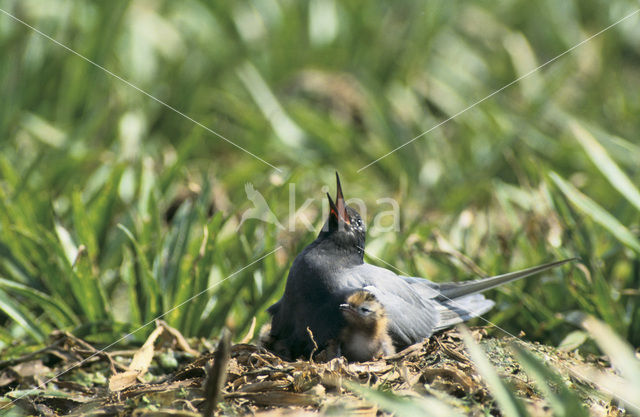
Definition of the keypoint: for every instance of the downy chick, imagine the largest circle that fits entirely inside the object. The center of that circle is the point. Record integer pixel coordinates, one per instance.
(365, 334)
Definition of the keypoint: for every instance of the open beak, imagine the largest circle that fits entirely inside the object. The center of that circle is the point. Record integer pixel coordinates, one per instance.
(339, 209)
(333, 210)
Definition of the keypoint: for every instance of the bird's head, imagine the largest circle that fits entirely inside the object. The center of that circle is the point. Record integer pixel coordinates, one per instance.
(344, 227)
(362, 309)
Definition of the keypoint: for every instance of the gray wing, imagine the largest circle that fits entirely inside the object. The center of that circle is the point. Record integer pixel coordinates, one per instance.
(457, 302)
(412, 314)
(461, 309)
(451, 311)
(417, 307)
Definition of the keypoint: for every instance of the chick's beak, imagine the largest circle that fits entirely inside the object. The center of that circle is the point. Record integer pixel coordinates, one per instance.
(345, 307)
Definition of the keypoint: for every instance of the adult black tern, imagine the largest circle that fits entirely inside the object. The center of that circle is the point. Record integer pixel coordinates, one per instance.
(332, 267)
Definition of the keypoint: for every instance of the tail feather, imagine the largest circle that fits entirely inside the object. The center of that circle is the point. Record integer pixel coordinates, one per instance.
(456, 290)
(461, 309)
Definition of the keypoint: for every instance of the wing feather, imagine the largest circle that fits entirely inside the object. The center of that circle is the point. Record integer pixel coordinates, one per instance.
(412, 315)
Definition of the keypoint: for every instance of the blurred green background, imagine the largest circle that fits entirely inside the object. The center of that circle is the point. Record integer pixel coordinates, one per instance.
(114, 208)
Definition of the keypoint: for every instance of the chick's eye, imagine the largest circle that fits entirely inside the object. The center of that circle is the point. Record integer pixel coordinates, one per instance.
(365, 309)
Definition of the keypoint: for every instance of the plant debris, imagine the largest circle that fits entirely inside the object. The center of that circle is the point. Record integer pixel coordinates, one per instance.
(134, 382)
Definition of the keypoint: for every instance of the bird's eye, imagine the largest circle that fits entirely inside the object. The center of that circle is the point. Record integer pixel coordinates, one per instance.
(365, 310)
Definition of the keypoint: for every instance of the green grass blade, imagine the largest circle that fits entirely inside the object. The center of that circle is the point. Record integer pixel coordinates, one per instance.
(404, 406)
(601, 159)
(562, 401)
(82, 224)
(597, 213)
(200, 276)
(78, 270)
(507, 401)
(61, 315)
(66, 243)
(620, 353)
(149, 290)
(102, 209)
(623, 359)
(92, 295)
(21, 316)
(128, 274)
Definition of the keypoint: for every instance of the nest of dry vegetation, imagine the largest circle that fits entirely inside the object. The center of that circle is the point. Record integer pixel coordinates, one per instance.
(166, 376)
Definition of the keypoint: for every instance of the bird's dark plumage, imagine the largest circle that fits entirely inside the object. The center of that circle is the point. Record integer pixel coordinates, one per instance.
(332, 267)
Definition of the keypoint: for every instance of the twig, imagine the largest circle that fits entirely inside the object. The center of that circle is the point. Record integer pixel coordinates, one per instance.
(315, 345)
(217, 374)
(25, 358)
(179, 338)
(89, 350)
(247, 338)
